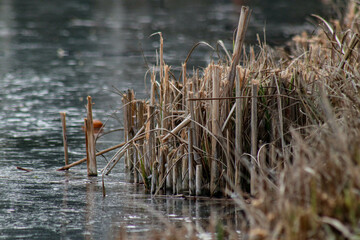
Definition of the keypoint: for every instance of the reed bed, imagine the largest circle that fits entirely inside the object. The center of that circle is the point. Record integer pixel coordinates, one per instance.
(279, 128)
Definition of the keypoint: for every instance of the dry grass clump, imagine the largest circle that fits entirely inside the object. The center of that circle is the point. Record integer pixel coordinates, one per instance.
(282, 127)
(317, 189)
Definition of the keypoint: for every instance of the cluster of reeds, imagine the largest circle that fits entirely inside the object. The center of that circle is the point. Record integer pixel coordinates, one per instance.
(181, 140)
(281, 128)
(230, 126)
(315, 191)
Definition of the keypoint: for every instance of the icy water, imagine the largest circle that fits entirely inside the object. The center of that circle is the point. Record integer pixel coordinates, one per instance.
(53, 54)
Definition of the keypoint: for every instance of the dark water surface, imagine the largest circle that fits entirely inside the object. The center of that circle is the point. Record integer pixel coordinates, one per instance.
(55, 53)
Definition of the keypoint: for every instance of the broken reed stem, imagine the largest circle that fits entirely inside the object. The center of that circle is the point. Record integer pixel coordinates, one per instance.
(97, 154)
(239, 40)
(90, 141)
(63, 124)
(116, 159)
(24, 169)
(173, 132)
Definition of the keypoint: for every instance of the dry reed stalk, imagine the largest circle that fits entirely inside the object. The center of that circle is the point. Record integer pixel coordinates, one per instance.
(63, 124)
(86, 143)
(184, 83)
(179, 127)
(151, 141)
(153, 87)
(125, 102)
(229, 163)
(136, 174)
(272, 160)
(254, 135)
(239, 40)
(97, 154)
(24, 169)
(229, 117)
(252, 56)
(215, 116)
(195, 114)
(161, 82)
(204, 81)
(131, 113)
(161, 59)
(172, 105)
(225, 108)
(238, 126)
(280, 114)
(352, 45)
(90, 140)
(190, 147)
(142, 169)
(165, 100)
(115, 159)
(183, 133)
(195, 80)
(199, 176)
(185, 167)
(139, 123)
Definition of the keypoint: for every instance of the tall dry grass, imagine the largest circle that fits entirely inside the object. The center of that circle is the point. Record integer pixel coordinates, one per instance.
(284, 133)
(315, 193)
